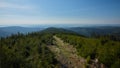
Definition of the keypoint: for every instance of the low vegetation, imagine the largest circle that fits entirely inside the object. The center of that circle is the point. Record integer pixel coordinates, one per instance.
(105, 50)
(27, 51)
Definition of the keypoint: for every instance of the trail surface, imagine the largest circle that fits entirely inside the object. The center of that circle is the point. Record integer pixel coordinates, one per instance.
(66, 54)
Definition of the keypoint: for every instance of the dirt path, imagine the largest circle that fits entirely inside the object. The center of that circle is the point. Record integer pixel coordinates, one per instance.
(66, 54)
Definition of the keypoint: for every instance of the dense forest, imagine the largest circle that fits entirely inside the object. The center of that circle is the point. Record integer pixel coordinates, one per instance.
(31, 51)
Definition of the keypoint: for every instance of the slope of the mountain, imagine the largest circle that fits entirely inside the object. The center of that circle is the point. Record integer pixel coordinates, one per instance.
(99, 53)
(53, 30)
(27, 51)
(57, 48)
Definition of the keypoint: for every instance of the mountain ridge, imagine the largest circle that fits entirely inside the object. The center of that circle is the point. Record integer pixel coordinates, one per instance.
(83, 31)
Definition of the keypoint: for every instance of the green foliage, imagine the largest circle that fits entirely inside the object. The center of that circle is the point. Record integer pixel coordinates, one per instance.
(31, 51)
(27, 51)
(88, 59)
(107, 51)
(116, 64)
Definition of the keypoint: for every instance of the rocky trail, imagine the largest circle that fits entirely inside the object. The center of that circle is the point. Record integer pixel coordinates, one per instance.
(66, 54)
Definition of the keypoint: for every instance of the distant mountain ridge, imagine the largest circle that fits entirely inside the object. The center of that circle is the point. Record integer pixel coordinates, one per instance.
(103, 30)
(57, 30)
(84, 31)
(7, 31)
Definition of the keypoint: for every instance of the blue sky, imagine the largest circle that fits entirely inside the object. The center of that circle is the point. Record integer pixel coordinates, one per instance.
(17, 12)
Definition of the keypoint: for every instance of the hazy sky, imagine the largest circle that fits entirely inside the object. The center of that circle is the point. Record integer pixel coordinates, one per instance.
(15, 12)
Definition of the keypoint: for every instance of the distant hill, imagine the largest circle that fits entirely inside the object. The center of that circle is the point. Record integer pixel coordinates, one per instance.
(90, 31)
(7, 31)
(57, 30)
(85, 31)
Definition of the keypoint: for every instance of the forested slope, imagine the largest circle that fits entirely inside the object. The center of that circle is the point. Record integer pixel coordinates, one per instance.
(34, 50)
(27, 51)
(102, 50)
